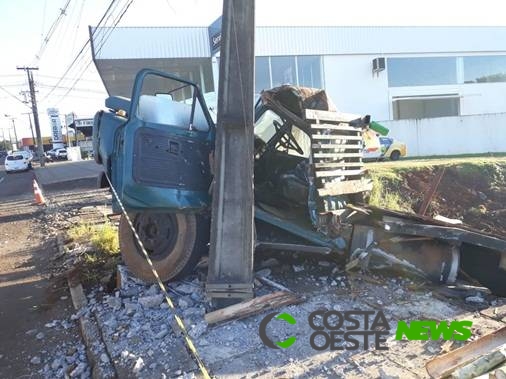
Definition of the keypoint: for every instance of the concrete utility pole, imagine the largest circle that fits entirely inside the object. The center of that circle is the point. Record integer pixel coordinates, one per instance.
(231, 255)
(15, 134)
(31, 128)
(40, 147)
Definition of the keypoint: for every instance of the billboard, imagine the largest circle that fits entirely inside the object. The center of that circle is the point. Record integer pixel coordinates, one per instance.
(56, 132)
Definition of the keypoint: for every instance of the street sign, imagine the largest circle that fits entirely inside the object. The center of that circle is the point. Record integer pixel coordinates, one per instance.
(56, 132)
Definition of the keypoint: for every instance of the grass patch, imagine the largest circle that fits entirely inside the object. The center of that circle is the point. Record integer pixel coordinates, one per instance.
(101, 250)
(103, 238)
(382, 194)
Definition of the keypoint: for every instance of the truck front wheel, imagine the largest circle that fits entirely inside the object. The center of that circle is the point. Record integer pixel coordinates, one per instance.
(173, 241)
(396, 154)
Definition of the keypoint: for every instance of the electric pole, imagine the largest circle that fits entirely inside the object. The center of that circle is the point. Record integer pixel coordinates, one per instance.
(31, 128)
(230, 273)
(40, 148)
(15, 133)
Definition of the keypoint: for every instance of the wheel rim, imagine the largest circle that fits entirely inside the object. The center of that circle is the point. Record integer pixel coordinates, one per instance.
(158, 233)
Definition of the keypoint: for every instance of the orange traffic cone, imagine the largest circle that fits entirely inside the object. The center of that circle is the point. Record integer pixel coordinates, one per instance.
(39, 198)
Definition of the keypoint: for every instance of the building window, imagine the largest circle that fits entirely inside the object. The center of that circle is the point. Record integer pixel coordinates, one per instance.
(309, 71)
(422, 71)
(283, 71)
(262, 74)
(426, 106)
(485, 69)
(297, 70)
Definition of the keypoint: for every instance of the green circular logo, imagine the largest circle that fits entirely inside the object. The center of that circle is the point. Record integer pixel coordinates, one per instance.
(266, 340)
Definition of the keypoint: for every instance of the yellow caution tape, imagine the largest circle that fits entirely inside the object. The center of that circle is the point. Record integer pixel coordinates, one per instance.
(189, 343)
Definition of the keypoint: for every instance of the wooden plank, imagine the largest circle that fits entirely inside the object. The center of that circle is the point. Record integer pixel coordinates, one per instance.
(337, 155)
(313, 114)
(334, 137)
(445, 364)
(323, 165)
(324, 174)
(253, 306)
(344, 187)
(336, 146)
(481, 365)
(497, 313)
(335, 127)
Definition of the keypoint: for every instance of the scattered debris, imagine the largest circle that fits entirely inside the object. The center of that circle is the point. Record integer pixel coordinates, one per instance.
(446, 364)
(254, 306)
(481, 365)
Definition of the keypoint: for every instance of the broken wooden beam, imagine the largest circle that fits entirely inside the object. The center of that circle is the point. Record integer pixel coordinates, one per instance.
(498, 373)
(430, 193)
(273, 284)
(253, 306)
(445, 364)
(481, 365)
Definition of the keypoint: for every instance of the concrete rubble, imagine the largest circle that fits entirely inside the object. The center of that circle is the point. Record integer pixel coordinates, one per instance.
(136, 325)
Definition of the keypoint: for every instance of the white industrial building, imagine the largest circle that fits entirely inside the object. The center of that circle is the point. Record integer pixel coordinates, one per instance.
(442, 90)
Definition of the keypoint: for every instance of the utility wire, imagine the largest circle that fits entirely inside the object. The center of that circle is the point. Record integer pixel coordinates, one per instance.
(51, 31)
(78, 22)
(110, 30)
(80, 52)
(13, 96)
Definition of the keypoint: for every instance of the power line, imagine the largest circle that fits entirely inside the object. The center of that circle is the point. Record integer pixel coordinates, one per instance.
(66, 88)
(110, 30)
(78, 22)
(51, 31)
(80, 51)
(13, 96)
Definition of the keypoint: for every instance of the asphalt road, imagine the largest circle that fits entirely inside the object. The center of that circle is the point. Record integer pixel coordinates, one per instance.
(16, 184)
(57, 176)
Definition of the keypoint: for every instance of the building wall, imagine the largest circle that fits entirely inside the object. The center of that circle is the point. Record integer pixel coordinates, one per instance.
(473, 134)
(350, 83)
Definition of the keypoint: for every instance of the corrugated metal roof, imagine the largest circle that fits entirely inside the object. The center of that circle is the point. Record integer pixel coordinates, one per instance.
(377, 40)
(151, 42)
(186, 42)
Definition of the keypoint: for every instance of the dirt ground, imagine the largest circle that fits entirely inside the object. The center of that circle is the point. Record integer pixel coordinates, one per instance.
(31, 305)
(134, 332)
(474, 192)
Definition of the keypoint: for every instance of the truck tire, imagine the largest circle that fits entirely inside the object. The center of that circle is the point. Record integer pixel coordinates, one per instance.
(395, 155)
(174, 242)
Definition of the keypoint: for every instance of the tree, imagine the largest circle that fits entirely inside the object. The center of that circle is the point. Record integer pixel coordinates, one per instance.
(5, 145)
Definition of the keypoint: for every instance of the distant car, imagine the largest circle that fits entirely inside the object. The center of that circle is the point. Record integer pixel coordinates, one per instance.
(25, 153)
(379, 148)
(57, 154)
(16, 162)
(392, 148)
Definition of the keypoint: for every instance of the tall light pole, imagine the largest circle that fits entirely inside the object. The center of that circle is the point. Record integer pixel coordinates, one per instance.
(15, 134)
(31, 129)
(35, 112)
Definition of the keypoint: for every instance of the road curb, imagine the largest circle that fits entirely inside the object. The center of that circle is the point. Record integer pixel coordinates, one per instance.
(96, 350)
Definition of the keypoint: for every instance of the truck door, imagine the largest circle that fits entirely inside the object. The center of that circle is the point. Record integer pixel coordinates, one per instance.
(166, 145)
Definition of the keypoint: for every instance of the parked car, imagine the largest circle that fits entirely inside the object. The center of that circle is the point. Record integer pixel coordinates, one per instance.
(16, 162)
(57, 154)
(379, 148)
(27, 154)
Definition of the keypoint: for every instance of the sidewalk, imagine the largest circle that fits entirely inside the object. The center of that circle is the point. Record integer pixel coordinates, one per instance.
(68, 171)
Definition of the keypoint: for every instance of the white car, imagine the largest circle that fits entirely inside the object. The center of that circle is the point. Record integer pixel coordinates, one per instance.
(57, 154)
(16, 162)
(25, 153)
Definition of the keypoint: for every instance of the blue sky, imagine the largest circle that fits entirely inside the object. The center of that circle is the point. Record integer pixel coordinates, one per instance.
(23, 23)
